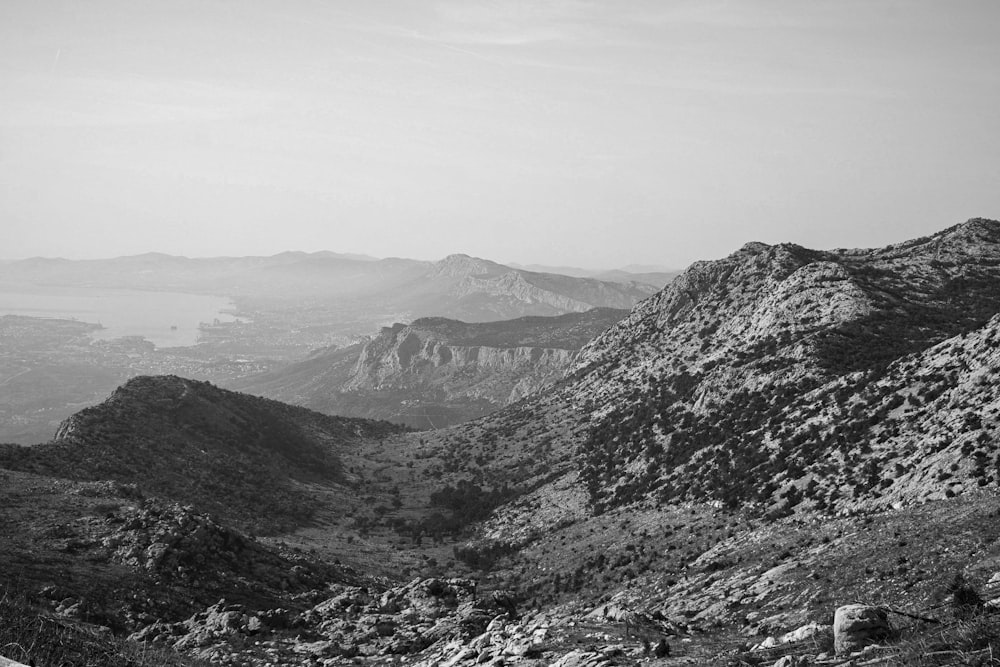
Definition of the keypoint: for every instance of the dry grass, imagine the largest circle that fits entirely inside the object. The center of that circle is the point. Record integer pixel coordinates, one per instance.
(972, 642)
(30, 635)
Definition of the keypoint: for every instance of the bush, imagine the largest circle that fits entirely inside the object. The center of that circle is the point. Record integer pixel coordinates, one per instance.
(965, 600)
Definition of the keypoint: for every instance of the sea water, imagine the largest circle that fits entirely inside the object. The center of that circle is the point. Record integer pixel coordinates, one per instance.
(166, 319)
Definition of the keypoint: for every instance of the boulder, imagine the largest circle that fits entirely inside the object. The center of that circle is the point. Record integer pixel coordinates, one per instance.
(856, 626)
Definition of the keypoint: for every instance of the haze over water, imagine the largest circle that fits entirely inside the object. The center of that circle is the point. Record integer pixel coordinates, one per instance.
(166, 319)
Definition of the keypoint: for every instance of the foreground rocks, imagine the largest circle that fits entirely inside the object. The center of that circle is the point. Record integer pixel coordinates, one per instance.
(448, 623)
(856, 626)
(353, 622)
(444, 622)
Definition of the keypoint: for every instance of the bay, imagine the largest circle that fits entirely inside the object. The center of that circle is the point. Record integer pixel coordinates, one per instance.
(166, 319)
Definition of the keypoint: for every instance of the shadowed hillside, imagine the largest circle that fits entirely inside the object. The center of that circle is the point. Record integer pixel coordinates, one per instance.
(244, 457)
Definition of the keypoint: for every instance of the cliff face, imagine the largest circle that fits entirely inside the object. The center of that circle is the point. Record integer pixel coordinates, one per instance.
(413, 357)
(436, 371)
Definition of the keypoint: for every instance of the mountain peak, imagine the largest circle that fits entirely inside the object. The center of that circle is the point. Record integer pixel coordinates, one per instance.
(974, 229)
(460, 266)
(755, 247)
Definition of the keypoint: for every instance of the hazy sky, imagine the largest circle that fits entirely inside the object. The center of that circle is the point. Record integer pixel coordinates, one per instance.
(563, 132)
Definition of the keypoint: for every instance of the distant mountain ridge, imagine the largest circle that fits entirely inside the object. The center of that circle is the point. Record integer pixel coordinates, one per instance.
(657, 276)
(436, 371)
(459, 286)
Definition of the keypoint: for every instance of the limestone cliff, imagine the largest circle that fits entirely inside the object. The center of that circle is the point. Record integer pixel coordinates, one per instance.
(403, 357)
(437, 371)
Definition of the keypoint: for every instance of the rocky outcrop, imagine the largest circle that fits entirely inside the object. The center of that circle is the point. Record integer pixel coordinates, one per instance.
(220, 623)
(405, 357)
(402, 620)
(176, 543)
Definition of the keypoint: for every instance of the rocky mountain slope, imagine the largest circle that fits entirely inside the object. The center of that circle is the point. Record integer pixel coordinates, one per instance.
(435, 371)
(781, 373)
(245, 458)
(774, 435)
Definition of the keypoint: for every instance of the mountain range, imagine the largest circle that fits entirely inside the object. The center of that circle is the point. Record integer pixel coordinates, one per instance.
(771, 436)
(458, 286)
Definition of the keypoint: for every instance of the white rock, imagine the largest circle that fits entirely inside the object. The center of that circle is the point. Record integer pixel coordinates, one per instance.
(497, 623)
(461, 656)
(804, 632)
(770, 642)
(6, 662)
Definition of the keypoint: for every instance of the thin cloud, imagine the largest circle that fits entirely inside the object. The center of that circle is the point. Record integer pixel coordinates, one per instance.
(98, 101)
(517, 23)
(720, 13)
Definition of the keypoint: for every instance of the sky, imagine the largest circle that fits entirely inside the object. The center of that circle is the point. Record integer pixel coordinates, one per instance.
(561, 132)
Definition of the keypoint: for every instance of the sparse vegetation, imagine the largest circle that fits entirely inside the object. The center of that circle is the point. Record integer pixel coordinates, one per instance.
(33, 636)
(786, 432)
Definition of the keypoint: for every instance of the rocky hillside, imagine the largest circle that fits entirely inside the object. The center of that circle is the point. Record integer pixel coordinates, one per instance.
(435, 371)
(243, 457)
(781, 377)
(780, 373)
(88, 563)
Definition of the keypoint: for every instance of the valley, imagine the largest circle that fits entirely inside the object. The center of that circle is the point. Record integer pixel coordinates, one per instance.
(701, 480)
